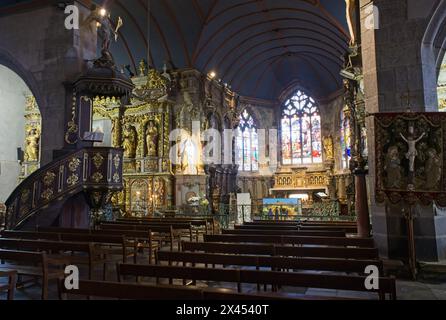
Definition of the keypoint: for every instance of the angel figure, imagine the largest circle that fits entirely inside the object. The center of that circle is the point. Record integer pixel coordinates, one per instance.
(350, 14)
(105, 27)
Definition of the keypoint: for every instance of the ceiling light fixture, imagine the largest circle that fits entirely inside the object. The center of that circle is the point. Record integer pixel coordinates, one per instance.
(212, 74)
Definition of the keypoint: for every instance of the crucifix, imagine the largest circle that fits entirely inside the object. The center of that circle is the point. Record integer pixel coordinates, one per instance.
(407, 96)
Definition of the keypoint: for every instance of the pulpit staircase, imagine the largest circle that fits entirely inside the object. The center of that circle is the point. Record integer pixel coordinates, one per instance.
(95, 173)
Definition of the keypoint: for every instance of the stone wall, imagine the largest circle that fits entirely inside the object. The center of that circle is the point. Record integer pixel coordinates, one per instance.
(13, 93)
(40, 50)
(393, 64)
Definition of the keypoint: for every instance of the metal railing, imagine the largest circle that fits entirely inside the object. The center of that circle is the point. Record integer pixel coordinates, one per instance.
(229, 215)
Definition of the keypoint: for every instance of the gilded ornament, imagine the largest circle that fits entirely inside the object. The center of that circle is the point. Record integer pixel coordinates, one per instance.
(48, 180)
(117, 161)
(74, 164)
(97, 177)
(47, 194)
(72, 180)
(98, 160)
(25, 196)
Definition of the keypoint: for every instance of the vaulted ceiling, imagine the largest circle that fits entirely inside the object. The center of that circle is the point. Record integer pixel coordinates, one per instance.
(259, 47)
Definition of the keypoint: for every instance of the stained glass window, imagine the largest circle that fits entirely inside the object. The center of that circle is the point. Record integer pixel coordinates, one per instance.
(301, 131)
(345, 140)
(247, 144)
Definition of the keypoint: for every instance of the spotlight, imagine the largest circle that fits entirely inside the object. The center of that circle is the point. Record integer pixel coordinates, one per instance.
(345, 73)
(212, 74)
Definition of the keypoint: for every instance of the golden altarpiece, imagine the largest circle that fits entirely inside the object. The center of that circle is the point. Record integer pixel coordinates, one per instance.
(143, 129)
(31, 150)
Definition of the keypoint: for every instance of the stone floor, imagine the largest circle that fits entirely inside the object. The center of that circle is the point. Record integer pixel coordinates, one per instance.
(406, 290)
(427, 289)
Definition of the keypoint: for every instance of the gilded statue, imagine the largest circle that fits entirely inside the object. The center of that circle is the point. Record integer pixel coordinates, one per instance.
(432, 169)
(328, 148)
(32, 145)
(142, 68)
(129, 141)
(152, 136)
(392, 166)
(350, 15)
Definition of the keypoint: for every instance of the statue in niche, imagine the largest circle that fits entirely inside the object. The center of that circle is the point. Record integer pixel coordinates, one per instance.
(32, 145)
(432, 169)
(392, 167)
(159, 193)
(412, 152)
(328, 148)
(129, 141)
(188, 157)
(152, 136)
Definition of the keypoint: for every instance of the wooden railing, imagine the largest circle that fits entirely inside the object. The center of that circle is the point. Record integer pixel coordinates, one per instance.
(92, 170)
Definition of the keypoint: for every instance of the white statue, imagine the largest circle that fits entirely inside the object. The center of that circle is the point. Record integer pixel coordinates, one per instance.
(412, 153)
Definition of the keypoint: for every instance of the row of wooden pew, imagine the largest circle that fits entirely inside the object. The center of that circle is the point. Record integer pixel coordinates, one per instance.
(45, 252)
(277, 260)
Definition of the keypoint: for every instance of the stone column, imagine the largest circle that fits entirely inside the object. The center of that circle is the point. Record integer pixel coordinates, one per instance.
(391, 66)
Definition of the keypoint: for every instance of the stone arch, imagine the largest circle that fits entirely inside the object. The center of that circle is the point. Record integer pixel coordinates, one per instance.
(10, 62)
(433, 47)
(21, 127)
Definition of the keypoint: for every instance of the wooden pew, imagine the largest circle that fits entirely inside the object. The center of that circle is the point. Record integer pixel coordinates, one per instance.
(199, 225)
(34, 264)
(387, 286)
(273, 278)
(130, 291)
(328, 252)
(272, 222)
(140, 239)
(87, 253)
(328, 223)
(284, 232)
(210, 247)
(275, 263)
(10, 286)
(301, 222)
(267, 227)
(172, 231)
(346, 229)
(291, 230)
(159, 233)
(293, 240)
(110, 244)
(276, 250)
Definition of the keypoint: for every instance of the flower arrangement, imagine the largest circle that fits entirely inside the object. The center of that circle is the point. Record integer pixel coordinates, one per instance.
(200, 202)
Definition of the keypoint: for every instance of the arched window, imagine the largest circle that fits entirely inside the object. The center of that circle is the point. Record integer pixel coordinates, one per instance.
(345, 140)
(442, 87)
(301, 131)
(247, 144)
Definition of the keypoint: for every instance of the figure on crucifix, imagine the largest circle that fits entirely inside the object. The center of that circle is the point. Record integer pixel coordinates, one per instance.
(412, 152)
